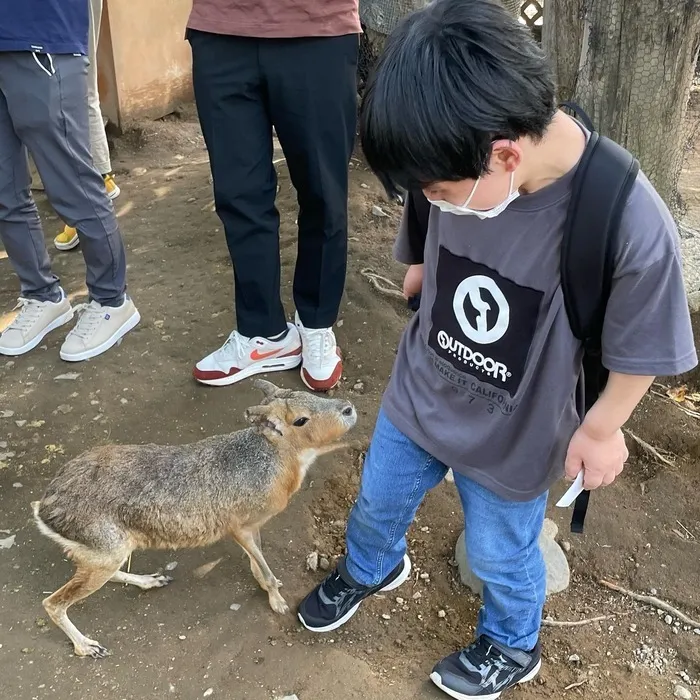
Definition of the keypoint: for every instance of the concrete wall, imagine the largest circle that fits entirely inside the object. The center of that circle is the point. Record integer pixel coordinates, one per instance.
(144, 62)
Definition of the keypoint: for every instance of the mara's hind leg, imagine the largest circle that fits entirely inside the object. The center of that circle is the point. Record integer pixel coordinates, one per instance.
(248, 539)
(88, 578)
(145, 583)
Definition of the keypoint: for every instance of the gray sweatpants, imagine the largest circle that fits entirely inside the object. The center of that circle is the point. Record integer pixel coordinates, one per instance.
(44, 108)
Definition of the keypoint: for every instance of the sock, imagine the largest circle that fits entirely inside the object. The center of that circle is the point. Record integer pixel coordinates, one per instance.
(281, 336)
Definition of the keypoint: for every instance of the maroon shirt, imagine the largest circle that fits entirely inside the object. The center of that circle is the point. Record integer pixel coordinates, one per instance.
(279, 19)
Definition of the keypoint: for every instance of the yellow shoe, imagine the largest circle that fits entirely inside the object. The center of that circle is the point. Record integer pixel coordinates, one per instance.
(67, 239)
(111, 186)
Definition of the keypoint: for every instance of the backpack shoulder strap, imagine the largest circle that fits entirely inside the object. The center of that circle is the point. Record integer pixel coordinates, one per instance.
(600, 189)
(601, 186)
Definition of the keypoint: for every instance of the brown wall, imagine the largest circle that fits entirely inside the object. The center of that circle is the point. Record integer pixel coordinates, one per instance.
(144, 62)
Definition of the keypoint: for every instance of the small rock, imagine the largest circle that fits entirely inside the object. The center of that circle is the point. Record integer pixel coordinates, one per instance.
(653, 591)
(324, 564)
(364, 185)
(312, 561)
(181, 637)
(68, 376)
(7, 542)
(171, 566)
(339, 324)
(442, 614)
(17, 485)
(425, 576)
(358, 386)
(697, 631)
(123, 401)
(400, 601)
(668, 620)
(6, 414)
(191, 200)
(574, 659)
(235, 607)
(417, 595)
(378, 211)
(138, 172)
(633, 628)
(208, 692)
(64, 408)
(386, 617)
(289, 697)
(566, 546)
(20, 423)
(450, 476)
(682, 692)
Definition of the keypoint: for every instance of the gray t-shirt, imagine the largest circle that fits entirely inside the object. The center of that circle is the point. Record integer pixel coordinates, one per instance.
(486, 374)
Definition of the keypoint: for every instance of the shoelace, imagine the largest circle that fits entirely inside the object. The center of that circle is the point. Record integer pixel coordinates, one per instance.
(232, 348)
(89, 318)
(336, 588)
(481, 652)
(30, 310)
(318, 342)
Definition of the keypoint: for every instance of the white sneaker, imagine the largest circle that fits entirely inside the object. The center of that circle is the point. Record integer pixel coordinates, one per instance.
(242, 357)
(34, 321)
(322, 364)
(98, 329)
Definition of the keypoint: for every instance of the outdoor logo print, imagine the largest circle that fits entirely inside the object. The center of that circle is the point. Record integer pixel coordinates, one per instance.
(482, 323)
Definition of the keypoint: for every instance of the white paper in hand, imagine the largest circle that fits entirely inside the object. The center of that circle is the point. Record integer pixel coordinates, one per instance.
(572, 494)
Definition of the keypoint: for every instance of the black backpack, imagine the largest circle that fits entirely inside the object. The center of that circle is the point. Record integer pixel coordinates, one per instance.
(601, 186)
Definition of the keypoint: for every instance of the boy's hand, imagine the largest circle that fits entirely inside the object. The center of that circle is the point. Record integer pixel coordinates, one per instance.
(413, 281)
(602, 457)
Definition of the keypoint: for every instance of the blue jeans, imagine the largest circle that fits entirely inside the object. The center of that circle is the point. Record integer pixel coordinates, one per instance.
(501, 536)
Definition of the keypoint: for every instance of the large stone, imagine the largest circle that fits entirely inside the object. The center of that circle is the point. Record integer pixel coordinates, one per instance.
(558, 574)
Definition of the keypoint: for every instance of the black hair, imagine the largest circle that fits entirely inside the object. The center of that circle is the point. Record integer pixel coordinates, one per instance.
(453, 77)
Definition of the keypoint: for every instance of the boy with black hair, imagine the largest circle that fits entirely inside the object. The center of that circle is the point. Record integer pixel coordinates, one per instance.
(487, 376)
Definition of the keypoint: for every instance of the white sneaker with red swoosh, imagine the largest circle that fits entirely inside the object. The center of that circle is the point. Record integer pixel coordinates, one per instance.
(240, 357)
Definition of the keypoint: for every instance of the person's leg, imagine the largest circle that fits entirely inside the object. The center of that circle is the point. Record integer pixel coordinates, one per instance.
(312, 89)
(236, 126)
(20, 227)
(396, 476)
(233, 112)
(48, 105)
(47, 100)
(502, 543)
(99, 148)
(98, 138)
(42, 306)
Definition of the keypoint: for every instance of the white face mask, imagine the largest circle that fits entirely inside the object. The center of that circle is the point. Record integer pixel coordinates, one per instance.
(464, 209)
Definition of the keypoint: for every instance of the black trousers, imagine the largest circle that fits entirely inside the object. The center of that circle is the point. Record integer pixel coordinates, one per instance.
(307, 89)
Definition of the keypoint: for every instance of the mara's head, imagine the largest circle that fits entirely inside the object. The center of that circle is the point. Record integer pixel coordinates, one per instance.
(300, 417)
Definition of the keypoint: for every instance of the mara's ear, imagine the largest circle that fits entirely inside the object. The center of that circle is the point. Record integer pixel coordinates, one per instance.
(265, 417)
(269, 390)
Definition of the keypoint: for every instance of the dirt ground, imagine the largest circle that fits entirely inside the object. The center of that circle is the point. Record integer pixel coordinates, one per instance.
(186, 641)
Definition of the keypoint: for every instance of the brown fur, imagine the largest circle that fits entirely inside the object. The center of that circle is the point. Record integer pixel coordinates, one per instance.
(112, 500)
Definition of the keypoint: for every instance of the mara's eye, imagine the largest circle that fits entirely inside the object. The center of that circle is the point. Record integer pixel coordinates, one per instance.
(347, 411)
(300, 421)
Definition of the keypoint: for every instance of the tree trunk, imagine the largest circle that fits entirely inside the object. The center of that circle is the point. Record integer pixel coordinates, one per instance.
(630, 65)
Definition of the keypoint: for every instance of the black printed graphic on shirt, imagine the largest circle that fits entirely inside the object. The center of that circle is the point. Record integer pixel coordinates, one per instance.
(482, 323)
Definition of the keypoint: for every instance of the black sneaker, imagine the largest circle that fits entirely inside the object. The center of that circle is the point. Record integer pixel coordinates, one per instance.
(485, 669)
(332, 603)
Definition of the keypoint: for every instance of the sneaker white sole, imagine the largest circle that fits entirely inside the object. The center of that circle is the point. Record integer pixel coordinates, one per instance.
(280, 364)
(114, 193)
(67, 246)
(56, 323)
(436, 678)
(128, 325)
(399, 581)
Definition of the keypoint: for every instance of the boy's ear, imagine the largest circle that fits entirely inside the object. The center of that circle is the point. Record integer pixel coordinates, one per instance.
(508, 154)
